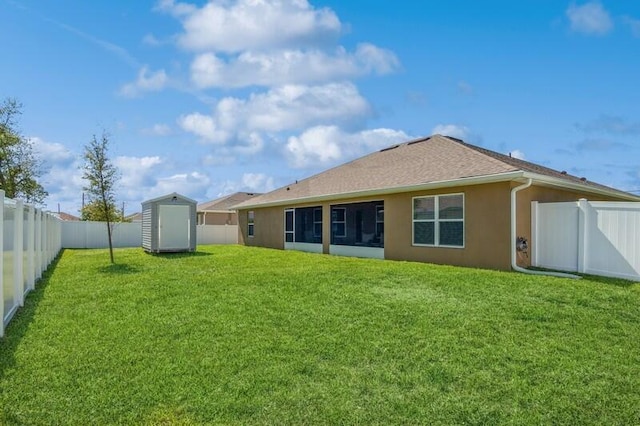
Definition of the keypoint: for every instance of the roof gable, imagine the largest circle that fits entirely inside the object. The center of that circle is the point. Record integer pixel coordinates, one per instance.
(227, 202)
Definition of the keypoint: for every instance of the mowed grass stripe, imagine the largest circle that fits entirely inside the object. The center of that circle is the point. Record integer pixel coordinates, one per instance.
(240, 335)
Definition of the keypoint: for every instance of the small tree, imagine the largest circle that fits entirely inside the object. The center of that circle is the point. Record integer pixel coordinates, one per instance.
(101, 176)
(94, 211)
(19, 167)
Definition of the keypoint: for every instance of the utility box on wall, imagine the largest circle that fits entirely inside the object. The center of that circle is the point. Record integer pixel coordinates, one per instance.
(169, 224)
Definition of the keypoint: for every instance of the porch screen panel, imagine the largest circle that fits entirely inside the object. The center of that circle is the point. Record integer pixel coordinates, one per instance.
(308, 225)
(358, 224)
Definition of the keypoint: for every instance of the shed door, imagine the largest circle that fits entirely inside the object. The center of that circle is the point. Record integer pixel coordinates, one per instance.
(174, 225)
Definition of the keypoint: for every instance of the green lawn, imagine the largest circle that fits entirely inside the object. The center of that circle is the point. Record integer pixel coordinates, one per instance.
(238, 335)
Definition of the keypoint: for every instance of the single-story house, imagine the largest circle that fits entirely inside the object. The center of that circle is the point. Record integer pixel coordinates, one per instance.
(219, 211)
(67, 217)
(134, 218)
(436, 199)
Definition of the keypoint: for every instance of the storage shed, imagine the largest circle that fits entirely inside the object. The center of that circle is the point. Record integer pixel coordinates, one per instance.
(169, 224)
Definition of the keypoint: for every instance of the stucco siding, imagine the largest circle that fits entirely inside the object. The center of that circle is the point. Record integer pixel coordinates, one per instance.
(268, 227)
(486, 228)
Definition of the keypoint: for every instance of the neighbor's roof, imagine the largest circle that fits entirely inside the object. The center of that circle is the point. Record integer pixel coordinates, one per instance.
(431, 162)
(227, 202)
(66, 217)
(134, 217)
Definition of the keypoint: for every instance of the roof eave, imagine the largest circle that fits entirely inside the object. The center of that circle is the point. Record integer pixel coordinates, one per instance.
(472, 180)
(215, 211)
(565, 184)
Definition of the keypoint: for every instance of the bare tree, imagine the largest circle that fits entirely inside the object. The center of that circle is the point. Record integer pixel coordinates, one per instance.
(101, 176)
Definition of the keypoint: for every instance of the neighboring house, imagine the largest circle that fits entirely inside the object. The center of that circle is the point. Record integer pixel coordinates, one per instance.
(66, 216)
(134, 218)
(219, 211)
(435, 199)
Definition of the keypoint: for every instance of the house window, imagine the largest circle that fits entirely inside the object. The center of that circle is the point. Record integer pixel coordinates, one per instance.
(438, 220)
(250, 224)
(317, 222)
(339, 221)
(289, 229)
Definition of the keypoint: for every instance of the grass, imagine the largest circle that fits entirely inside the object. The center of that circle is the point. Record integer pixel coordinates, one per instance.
(238, 335)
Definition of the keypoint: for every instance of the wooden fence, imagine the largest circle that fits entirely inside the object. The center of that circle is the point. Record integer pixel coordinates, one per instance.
(599, 238)
(29, 241)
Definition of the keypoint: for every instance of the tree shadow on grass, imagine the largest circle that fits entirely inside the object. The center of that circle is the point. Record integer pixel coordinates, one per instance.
(180, 255)
(19, 325)
(119, 269)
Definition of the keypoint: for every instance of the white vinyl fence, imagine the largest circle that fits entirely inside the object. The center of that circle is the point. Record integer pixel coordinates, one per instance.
(29, 241)
(84, 234)
(599, 238)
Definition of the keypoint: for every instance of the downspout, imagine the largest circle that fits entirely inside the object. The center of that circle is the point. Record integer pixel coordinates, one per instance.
(514, 263)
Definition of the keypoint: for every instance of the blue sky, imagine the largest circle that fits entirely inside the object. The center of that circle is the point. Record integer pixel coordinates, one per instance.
(208, 98)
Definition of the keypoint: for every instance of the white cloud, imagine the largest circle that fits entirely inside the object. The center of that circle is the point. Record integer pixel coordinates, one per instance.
(203, 126)
(52, 153)
(136, 172)
(230, 27)
(454, 130)
(589, 18)
(290, 107)
(634, 25)
(290, 67)
(192, 184)
(151, 40)
(327, 145)
(249, 182)
(516, 153)
(157, 129)
(147, 81)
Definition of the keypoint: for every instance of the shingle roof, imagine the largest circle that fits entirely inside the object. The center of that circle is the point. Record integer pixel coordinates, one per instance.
(422, 161)
(226, 202)
(66, 217)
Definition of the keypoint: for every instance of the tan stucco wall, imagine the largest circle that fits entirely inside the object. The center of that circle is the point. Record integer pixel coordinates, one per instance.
(486, 228)
(268, 228)
(487, 212)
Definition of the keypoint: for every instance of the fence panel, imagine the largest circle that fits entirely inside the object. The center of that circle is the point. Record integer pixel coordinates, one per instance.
(217, 234)
(555, 239)
(600, 238)
(85, 234)
(29, 241)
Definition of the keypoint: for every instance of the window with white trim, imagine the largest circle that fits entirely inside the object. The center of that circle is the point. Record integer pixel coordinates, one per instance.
(438, 220)
(250, 223)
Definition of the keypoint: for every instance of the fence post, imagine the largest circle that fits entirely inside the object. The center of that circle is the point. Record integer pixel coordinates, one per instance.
(533, 246)
(2, 264)
(583, 237)
(31, 248)
(18, 253)
(38, 229)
